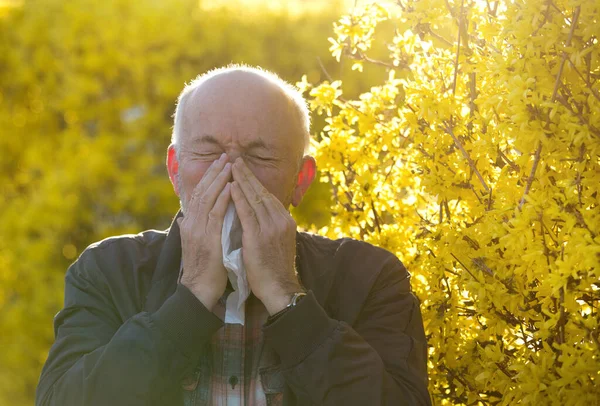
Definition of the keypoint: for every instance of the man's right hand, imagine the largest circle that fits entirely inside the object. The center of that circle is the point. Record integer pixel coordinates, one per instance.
(200, 228)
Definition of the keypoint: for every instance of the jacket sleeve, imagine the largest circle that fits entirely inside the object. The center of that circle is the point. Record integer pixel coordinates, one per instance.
(97, 359)
(380, 360)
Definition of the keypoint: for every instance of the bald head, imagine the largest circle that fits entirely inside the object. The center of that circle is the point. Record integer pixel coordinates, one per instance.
(244, 91)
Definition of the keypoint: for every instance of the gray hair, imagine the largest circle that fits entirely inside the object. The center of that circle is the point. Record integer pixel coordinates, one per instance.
(288, 90)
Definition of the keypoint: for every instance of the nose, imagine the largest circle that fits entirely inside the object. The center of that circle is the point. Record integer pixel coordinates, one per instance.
(231, 158)
(232, 155)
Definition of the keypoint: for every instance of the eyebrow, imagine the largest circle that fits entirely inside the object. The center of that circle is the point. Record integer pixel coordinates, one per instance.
(210, 139)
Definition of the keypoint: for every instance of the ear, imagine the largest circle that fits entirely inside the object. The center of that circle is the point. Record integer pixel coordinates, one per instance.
(173, 168)
(308, 171)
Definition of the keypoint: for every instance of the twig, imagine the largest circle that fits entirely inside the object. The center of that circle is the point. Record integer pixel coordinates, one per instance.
(439, 37)
(546, 16)
(460, 16)
(447, 209)
(566, 102)
(473, 95)
(445, 279)
(467, 157)
(362, 57)
(510, 163)
(561, 318)
(465, 268)
(376, 217)
(450, 10)
(550, 233)
(587, 83)
(536, 161)
(327, 75)
(564, 56)
(482, 266)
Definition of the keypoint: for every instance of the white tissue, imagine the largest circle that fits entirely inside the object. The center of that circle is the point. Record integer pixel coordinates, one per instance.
(231, 240)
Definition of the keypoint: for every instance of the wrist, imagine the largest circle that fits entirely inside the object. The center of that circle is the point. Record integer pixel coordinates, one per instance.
(208, 299)
(280, 300)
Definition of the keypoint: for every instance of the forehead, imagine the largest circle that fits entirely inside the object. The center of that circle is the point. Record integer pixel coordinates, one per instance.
(208, 137)
(247, 113)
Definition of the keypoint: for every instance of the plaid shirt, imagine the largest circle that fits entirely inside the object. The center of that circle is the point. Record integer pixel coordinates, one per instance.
(229, 372)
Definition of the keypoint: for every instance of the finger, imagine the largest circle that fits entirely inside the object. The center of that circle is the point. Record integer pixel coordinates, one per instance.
(281, 217)
(245, 212)
(275, 206)
(209, 176)
(258, 187)
(213, 170)
(272, 205)
(216, 216)
(254, 199)
(206, 202)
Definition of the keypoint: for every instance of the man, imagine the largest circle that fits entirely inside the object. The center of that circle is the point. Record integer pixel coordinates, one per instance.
(327, 323)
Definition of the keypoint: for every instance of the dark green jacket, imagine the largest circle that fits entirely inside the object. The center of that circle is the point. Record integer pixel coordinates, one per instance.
(129, 334)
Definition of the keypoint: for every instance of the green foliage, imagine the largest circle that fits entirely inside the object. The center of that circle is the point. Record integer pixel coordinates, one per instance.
(87, 91)
(477, 161)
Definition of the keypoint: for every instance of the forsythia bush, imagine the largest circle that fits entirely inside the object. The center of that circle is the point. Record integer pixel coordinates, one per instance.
(87, 91)
(477, 162)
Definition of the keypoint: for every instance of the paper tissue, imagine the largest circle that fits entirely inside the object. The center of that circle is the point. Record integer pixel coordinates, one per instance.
(231, 241)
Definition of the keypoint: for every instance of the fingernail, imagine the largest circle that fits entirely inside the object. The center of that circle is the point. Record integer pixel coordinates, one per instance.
(227, 166)
(223, 156)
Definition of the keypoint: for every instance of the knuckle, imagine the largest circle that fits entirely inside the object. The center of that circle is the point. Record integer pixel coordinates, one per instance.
(198, 190)
(212, 216)
(203, 200)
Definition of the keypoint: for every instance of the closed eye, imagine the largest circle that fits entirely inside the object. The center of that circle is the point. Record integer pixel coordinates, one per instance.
(261, 158)
(214, 155)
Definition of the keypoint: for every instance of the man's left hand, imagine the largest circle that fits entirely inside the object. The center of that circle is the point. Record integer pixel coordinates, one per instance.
(268, 240)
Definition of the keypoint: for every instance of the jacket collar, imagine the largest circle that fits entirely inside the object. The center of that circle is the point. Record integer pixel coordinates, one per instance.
(164, 279)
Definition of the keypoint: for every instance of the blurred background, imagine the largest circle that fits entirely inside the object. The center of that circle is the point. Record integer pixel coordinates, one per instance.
(87, 93)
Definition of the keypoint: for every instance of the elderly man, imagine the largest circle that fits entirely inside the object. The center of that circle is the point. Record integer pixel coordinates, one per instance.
(327, 322)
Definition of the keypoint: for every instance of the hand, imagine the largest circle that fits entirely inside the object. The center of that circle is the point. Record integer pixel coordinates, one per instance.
(200, 228)
(268, 240)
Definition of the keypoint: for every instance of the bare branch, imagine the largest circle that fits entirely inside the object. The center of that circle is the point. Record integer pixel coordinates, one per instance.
(327, 75)
(362, 57)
